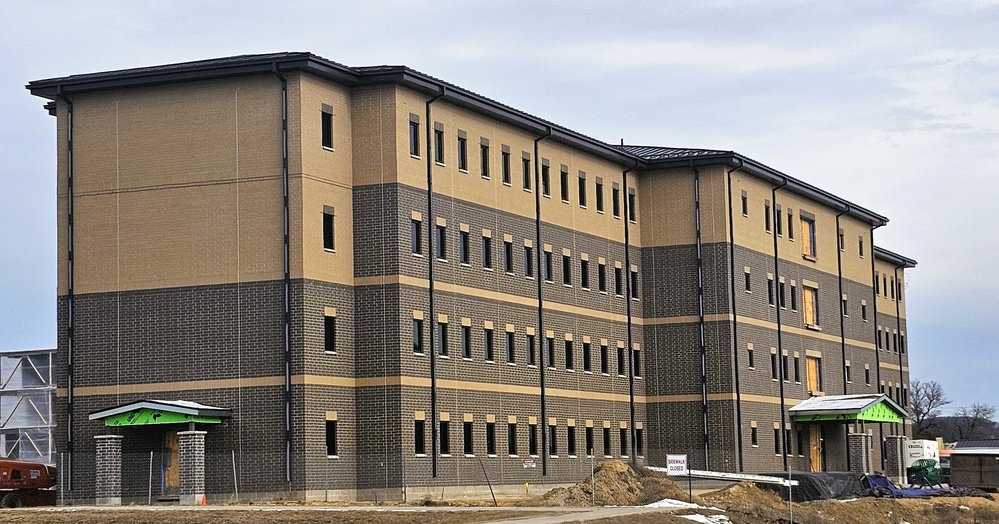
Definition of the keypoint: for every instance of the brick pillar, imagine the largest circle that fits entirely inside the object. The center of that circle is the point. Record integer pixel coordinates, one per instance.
(860, 452)
(192, 467)
(107, 485)
(895, 458)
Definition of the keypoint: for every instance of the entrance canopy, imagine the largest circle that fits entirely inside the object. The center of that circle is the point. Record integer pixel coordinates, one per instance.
(148, 412)
(848, 408)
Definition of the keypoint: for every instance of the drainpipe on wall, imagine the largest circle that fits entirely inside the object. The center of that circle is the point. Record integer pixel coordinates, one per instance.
(627, 299)
(877, 352)
(539, 337)
(287, 273)
(842, 314)
(735, 318)
(898, 327)
(702, 343)
(70, 298)
(780, 341)
(431, 259)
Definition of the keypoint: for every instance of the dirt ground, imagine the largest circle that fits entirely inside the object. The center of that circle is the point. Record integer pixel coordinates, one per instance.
(269, 515)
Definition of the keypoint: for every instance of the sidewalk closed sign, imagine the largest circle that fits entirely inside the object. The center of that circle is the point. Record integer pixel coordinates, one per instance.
(676, 465)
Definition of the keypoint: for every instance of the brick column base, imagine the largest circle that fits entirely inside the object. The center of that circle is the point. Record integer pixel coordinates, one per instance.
(107, 484)
(860, 452)
(192, 468)
(895, 458)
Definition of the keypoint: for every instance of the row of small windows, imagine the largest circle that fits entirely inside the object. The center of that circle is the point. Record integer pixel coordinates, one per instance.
(887, 285)
(527, 349)
(527, 175)
(514, 440)
(891, 340)
(774, 222)
(778, 296)
(508, 256)
(781, 438)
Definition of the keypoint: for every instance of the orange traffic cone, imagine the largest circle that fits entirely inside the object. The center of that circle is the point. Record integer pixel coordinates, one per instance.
(204, 500)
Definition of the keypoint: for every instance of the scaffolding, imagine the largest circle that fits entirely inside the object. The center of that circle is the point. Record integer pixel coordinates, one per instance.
(27, 393)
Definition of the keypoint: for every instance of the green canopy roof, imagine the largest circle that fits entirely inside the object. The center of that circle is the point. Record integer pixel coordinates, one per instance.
(149, 412)
(848, 408)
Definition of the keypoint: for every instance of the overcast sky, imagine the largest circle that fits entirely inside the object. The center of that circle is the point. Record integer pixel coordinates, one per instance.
(891, 105)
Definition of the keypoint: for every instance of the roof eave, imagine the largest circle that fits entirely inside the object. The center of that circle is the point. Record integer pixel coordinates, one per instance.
(893, 258)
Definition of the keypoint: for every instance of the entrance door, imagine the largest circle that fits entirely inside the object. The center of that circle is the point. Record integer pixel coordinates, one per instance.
(813, 374)
(815, 447)
(171, 463)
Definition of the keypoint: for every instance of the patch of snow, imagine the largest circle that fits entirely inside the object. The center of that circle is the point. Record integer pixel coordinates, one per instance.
(707, 519)
(671, 503)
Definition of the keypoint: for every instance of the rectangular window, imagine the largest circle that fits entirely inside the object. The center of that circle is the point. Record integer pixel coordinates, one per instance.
(639, 445)
(332, 449)
(548, 266)
(841, 241)
(813, 374)
(602, 278)
(487, 343)
(417, 336)
(616, 201)
(784, 368)
(790, 224)
(770, 290)
(843, 303)
(810, 300)
(511, 349)
(527, 173)
(462, 153)
(754, 437)
(511, 438)
(546, 181)
(484, 159)
(570, 440)
(867, 376)
(416, 237)
(589, 440)
(846, 372)
(607, 442)
(442, 339)
(620, 361)
(860, 246)
(532, 439)
(490, 438)
(566, 270)
(794, 297)
(528, 261)
(750, 358)
(466, 341)
(439, 144)
(636, 362)
(506, 165)
(487, 252)
(463, 247)
(584, 274)
(787, 441)
(774, 370)
(568, 355)
(329, 334)
(553, 440)
(445, 434)
(892, 287)
(564, 185)
(801, 442)
(808, 248)
(599, 195)
(414, 135)
(618, 282)
(749, 283)
(581, 189)
(508, 257)
(766, 215)
(797, 370)
(745, 204)
(623, 440)
(863, 311)
(587, 358)
(604, 366)
(532, 356)
(441, 243)
(778, 223)
(632, 207)
(782, 295)
(634, 284)
(550, 352)
(468, 438)
(419, 437)
(777, 441)
(329, 239)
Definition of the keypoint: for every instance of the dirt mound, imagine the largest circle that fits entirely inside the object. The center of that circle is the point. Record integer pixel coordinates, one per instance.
(748, 499)
(615, 483)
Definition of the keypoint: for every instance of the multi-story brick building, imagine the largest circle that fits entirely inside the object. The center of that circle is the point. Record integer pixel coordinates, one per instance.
(370, 281)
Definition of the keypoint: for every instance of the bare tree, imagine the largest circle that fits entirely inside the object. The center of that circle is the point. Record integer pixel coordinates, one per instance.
(975, 422)
(926, 400)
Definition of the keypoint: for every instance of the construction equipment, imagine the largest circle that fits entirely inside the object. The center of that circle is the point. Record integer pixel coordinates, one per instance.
(27, 484)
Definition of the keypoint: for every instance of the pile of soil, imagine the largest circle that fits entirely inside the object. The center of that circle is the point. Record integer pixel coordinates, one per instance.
(748, 499)
(615, 483)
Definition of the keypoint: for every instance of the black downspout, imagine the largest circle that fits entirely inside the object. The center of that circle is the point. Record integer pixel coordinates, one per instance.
(877, 352)
(842, 313)
(431, 259)
(780, 341)
(541, 326)
(287, 273)
(702, 343)
(735, 318)
(70, 299)
(627, 299)
(898, 327)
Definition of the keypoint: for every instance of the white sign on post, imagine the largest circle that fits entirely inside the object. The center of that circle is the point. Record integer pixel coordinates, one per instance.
(676, 465)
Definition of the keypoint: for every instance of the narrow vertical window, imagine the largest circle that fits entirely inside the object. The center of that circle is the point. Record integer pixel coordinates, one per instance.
(487, 341)
(790, 224)
(548, 266)
(527, 171)
(505, 164)
(634, 284)
(329, 236)
(418, 336)
(587, 358)
(487, 252)
(553, 440)
(581, 189)
(329, 333)
(841, 241)
(846, 312)
(863, 311)
(416, 237)
(441, 242)
(754, 437)
(511, 348)
(469, 438)
(770, 290)
(785, 371)
(419, 437)
(777, 441)
(618, 282)
(846, 372)
(532, 351)
(528, 261)
(749, 282)
(570, 440)
(589, 440)
(620, 361)
(439, 143)
(445, 434)
(778, 223)
(766, 215)
(604, 366)
(490, 438)
(566, 270)
(546, 182)
(466, 341)
(639, 444)
(745, 204)
(808, 248)
(797, 370)
(414, 135)
(616, 201)
(632, 207)
(327, 123)
(750, 357)
(636, 362)
(810, 299)
(602, 278)
(774, 371)
(599, 194)
(623, 439)
(860, 246)
(568, 355)
(564, 185)
(508, 257)
(511, 438)
(484, 157)
(462, 151)
(607, 442)
(463, 247)
(584, 274)
(782, 294)
(794, 297)
(532, 439)
(550, 352)
(332, 448)
(442, 339)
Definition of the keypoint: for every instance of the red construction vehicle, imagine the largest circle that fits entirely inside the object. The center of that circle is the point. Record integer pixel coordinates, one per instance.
(27, 484)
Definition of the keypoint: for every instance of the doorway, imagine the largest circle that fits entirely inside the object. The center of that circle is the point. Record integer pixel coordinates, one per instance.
(815, 448)
(171, 464)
